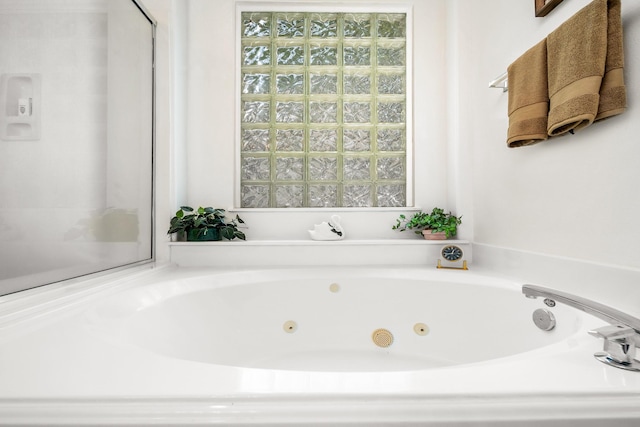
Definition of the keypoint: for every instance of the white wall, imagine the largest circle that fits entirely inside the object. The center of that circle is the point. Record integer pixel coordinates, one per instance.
(575, 196)
(211, 123)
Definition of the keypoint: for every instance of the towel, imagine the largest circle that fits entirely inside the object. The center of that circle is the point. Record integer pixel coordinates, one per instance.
(528, 97)
(577, 53)
(613, 94)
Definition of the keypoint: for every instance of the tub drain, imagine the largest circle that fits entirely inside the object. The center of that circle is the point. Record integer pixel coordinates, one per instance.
(382, 338)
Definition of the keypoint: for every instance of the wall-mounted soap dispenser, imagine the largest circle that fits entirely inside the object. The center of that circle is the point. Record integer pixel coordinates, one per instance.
(20, 107)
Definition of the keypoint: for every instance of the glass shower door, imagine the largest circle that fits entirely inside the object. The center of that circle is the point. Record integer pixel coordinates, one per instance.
(76, 139)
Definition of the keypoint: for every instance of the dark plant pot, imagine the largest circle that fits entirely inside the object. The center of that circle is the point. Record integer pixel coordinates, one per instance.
(207, 235)
(430, 235)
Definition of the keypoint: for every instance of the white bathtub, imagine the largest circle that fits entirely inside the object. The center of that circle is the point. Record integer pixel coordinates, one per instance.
(188, 346)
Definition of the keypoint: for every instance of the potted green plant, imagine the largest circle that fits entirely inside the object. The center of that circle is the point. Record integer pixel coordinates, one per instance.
(437, 225)
(205, 224)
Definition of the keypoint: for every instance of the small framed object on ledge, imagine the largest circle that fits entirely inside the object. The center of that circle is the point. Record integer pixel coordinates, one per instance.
(543, 7)
(452, 256)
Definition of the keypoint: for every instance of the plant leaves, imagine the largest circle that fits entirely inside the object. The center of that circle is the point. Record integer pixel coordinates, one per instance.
(227, 232)
(203, 220)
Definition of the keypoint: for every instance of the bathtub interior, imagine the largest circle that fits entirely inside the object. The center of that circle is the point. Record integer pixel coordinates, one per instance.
(323, 320)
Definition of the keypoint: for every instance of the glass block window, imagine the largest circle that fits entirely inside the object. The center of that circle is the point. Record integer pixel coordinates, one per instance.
(323, 110)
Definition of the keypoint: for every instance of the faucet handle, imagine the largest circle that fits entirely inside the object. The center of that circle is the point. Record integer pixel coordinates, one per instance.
(613, 332)
(619, 346)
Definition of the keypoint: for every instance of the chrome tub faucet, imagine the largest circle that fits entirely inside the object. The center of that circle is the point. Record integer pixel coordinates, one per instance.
(621, 337)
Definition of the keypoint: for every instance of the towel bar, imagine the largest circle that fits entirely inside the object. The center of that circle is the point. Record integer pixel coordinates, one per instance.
(500, 82)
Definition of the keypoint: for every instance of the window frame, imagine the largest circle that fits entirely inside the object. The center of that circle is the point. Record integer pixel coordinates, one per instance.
(248, 6)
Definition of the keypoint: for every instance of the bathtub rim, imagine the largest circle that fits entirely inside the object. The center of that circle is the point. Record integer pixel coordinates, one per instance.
(423, 410)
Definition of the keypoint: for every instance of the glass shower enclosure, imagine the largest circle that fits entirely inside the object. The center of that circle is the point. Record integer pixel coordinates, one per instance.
(76, 139)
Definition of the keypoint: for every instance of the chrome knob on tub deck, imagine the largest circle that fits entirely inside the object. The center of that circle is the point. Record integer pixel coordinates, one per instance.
(619, 348)
(621, 337)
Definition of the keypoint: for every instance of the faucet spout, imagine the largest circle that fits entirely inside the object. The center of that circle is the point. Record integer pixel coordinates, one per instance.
(620, 339)
(606, 313)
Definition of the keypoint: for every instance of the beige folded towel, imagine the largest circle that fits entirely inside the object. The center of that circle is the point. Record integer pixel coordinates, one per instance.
(576, 54)
(528, 97)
